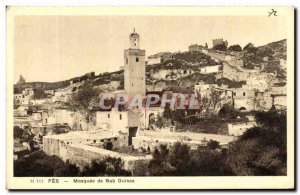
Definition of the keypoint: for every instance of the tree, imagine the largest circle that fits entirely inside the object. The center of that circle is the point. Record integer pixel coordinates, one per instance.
(141, 169)
(207, 162)
(211, 103)
(108, 166)
(180, 159)
(159, 121)
(261, 150)
(42, 165)
(236, 48)
(250, 48)
(227, 112)
(212, 144)
(18, 132)
(39, 94)
(159, 165)
(82, 101)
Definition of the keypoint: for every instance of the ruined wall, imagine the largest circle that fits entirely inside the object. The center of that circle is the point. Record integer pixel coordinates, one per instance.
(83, 155)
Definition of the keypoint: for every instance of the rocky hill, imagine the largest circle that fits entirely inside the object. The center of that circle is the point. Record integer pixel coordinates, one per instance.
(271, 56)
(182, 71)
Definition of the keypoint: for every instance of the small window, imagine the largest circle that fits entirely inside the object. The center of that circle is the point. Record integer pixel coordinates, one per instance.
(108, 115)
(132, 84)
(137, 59)
(126, 60)
(120, 116)
(244, 93)
(234, 93)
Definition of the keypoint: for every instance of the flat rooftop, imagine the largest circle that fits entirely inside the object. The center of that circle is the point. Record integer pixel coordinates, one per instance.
(83, 135)
(194, 137)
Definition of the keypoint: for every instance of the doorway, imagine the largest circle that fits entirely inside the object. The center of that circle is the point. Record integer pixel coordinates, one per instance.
(132, 133)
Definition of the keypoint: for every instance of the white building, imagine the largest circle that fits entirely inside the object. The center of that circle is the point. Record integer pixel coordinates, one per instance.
(210, 69)
(127, 122)
(24, 97)
(152, 61)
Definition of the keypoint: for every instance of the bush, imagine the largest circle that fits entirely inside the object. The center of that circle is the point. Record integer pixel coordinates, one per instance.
(106, 167)
(236, 48)
(42, 165)
(180, 160)
(220, 47)
(261, 150)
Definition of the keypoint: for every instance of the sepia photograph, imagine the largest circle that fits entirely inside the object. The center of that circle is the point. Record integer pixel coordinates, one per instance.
(113, 97)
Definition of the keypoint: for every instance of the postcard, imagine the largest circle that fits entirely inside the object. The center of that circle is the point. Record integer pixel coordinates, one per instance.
(150, 98)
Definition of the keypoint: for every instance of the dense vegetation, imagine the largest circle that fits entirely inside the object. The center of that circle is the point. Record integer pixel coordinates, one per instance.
(107, 167)
(195, 57)
(42, 165)
(261, 150)
(268, 55)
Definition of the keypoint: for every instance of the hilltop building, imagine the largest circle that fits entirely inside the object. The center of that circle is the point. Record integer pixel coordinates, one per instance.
(159, 58)
(219, 42)
(195, 48)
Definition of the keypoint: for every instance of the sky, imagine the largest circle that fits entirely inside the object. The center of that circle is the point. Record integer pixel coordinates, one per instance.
(55, 48)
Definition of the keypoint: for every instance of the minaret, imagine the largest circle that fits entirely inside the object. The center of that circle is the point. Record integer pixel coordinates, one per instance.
(134, 40)
(134, 67)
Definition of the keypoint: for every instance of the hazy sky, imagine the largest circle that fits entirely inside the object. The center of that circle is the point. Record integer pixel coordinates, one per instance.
(54, 48)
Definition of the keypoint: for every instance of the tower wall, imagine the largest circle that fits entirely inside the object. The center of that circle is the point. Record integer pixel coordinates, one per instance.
(134, 72)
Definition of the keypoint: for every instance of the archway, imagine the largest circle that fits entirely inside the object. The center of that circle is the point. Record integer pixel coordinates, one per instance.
(242, 108)
(151, 119)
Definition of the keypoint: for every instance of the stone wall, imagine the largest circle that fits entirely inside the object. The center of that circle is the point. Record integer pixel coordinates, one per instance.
(82, 155)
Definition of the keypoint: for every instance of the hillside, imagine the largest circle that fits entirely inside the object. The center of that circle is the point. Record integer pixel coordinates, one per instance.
(271, 57)
(41, 85)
